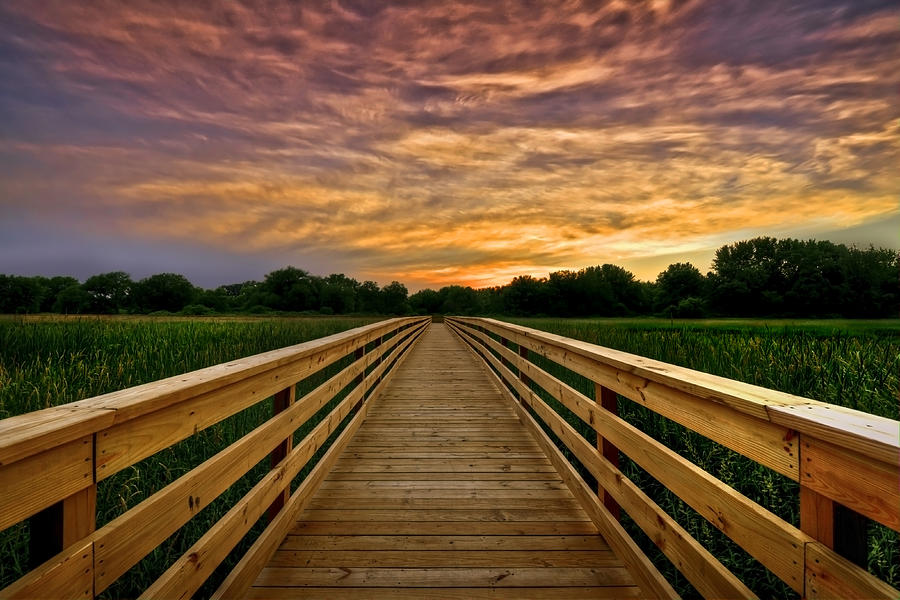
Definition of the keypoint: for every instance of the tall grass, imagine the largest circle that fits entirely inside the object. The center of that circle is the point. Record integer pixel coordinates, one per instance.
(841, 364)
(46, 362)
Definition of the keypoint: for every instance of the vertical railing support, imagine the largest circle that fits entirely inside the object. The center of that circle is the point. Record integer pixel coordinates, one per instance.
(358, 354)
(833, 524)
(378, 342)
(505, 343)
(280, 402)
(523, 352)
(607, 400)
(59, 526)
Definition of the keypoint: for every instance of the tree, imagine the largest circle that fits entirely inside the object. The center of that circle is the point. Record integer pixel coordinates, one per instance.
(393, 298)
(19, 294)
(339, 293)
(678, 282)
(51, 288)
(164, 291)
(290, 289)
(459, 300)
(524, 296)
(368, 298)
(109, 292)
(72, 300)
(425, 302)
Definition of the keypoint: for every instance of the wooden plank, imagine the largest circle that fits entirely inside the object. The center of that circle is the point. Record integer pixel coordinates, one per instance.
(861, 432)
(41, 480)
(650, 580)
(243, 574)
(298, 361)
(66, 576)
(510, 465)
(61, 525)
(382, 502)
(437, 454)
(26, 435)
(342, 496)
(131, 441)
(443, 559)
(585, 527)
(383, 515)
(280, 402)
(768, 444)
(775, 543)
(189, 572)
(703, 570)
(446, 476)
(356, 498)
(467, 486)
(608, 400)
(122, 542)
(817, 516)
(439, 593)
(446, 577)
(831, 577)
(867, 486)
(427, 543)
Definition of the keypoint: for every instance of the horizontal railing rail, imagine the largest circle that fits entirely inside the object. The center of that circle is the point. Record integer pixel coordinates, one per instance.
(52, 460)
(845, 461)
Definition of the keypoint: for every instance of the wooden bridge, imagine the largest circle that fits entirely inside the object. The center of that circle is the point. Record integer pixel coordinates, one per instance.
(439, 474)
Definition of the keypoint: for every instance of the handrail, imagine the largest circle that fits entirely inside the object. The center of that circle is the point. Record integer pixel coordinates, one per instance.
(54, 458)
(840, 457)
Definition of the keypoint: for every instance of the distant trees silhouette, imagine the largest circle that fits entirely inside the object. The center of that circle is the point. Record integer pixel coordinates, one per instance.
(763, 276)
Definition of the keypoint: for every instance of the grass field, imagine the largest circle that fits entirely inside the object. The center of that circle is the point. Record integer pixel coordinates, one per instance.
(45, 361)
(851, 363)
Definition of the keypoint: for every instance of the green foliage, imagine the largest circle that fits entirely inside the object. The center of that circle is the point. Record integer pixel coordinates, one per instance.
(109, 292)
(72, 300)
(677, 283)
(165, 291)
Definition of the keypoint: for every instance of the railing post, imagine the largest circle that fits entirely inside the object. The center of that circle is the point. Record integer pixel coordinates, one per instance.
(59, 526)
(378, 342)
(505, 343)
(358, 354)
(280, 402)
(607, 400)
(831, 523)
(523, 352)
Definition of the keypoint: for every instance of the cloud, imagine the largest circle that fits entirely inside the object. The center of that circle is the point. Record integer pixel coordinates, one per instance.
(448, 142)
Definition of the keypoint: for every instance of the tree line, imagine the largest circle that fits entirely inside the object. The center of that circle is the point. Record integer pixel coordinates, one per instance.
(289, 290)
(759, 277)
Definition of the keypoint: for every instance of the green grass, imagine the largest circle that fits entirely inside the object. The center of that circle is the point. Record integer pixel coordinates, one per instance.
(50, 361)
(850, 363)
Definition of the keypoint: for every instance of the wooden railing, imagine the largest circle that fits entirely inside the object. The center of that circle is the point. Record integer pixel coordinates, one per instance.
(52, 460)
(845, 461)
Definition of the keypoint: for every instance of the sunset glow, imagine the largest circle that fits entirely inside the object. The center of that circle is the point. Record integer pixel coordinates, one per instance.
(439, 142)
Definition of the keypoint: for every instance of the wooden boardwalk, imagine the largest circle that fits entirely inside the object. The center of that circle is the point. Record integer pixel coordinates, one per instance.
(443, 493)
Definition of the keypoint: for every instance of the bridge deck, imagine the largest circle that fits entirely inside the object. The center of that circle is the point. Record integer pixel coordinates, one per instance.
(443, 493)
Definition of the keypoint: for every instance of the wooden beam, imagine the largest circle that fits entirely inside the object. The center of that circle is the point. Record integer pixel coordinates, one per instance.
(281, 402)
(609, 401)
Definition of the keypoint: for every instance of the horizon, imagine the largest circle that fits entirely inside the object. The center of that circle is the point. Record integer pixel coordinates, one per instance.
(705, 272)
(440, 143)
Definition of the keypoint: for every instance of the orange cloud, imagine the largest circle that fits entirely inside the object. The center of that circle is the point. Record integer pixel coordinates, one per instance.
(452, 142)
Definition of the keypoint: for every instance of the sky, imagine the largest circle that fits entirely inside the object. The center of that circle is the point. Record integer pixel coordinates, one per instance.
(440, 142)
